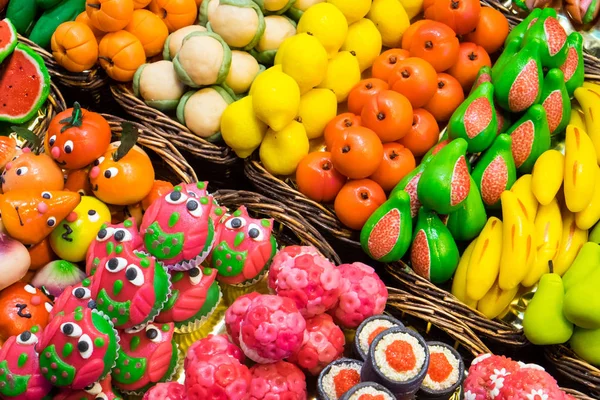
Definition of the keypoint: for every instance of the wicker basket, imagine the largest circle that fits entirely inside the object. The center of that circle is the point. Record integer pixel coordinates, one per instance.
(574, 368)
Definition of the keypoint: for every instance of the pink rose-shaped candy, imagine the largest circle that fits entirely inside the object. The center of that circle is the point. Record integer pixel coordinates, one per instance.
(323, 343)
(272, 329)
(528, 383)
(236, 313)
(212, 345)
(277, 381)
(285, 258)
(487, 375)
(309, 279)
(217, 377)
(166, 391)
(362, 295)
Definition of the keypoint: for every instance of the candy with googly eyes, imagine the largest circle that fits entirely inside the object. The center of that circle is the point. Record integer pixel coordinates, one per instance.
(130, 288)
(31, 171)
(22, 307)
(102, 390)
(110, 239)
(73, 297)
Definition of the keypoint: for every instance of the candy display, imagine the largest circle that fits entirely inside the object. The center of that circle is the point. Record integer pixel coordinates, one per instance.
(24, 307)
(109, 238)
(29, 169)
(369, 329)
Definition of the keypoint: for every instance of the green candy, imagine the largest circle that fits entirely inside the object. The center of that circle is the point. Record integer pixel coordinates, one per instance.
(572, 68)
(468, 221)
(22, 14)
(530, 138)
(556, 102)
(66, 10)
(518, 32)
(553, 37)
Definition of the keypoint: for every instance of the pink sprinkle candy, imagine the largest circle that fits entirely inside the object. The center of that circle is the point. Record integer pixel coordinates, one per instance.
(277, 381)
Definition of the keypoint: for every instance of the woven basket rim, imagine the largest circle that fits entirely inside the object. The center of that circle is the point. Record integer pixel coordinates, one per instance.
(571, 366)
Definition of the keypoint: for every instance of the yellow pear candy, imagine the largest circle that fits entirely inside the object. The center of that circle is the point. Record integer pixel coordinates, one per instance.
(353, 10)
(281, 152)
(275, 99)
(391, 19)
(343, 72)
(363, 40)
(240, 128)
(327, 23)
(317, 108)
(305, 60)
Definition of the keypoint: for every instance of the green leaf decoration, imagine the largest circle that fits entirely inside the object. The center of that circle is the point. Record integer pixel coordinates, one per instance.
(129, 137)
(26, 134)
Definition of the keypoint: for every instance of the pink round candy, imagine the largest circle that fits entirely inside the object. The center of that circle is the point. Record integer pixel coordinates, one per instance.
(212, 345)
(273, 329)
(487, 375)
(285, 257)
(236, 313)
(277, 381)
(362, 295)
(166, 391)
(528, 383)
(217, 377)
(323, 343)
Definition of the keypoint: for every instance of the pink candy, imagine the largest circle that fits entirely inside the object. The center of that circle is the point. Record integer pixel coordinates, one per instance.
(285, 258)
(278, 381)
(217, 377)
(212, 345)
(530, 383)
(236, 313)
(323, 343)
(487, 375)
(166, 391)
(272, 329)
(362, 295)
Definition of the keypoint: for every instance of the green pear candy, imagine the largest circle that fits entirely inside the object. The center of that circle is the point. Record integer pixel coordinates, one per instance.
(518, 32)
(495, 171)
(409, 184)
(552, 35)
(504, 120)
(434, 254)
(269, 7)
(507, 55)
(518, 84)
(530, 138)
(484, 75)
(158, 85)
(544, 322)
(468, 221)
(201, 111)
(584, 264)
(445, 182)
(277, 29)
(475, 119)
(595, 234)
(435, 149)
(582, 302)
(555, 100)
(386, 235)
(572, 68)
(586, 344)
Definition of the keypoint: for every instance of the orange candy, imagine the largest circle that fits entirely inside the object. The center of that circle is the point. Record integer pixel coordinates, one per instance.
(389, 115)
(357, 153)
(414, 78)
(423, 135)
(357, 200)
(397, 162)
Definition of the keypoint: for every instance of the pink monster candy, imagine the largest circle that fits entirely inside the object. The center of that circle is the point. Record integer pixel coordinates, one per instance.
(528, 383)
(108, 239)
(22, 380)
(362, 295)
(210, 346)
(286, 256)
(311, 280)
(487, 375)
(273, 329)
(72, 297)
(217, 377)
(179, 228)
(277, 381)
(236, 313)
(97, 391)
(323, 343)
(166, 391)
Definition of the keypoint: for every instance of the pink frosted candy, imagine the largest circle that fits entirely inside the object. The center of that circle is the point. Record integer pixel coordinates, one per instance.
(166, 391)
(487, 375)
(272, 329)
(528, 383)
(285, 257)
(323, 343)
(362, 295)
(236, 313)
(277, 381)
(212, 345)
(217, 377)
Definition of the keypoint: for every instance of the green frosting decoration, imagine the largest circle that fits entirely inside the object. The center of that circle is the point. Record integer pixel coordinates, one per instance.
(64, 373)
(67, 350)
(173, 219)
(171, 246)
(135, 342)
(15, 386)
(117, 287)
(128, 223)
(99, 342)
(23, 357)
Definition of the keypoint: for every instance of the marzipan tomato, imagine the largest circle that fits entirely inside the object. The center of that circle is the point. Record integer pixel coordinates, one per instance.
(436, 43)
(470, 60)
(397, 162)
(423, 135)
(447, 98)
(491, 30)
(414, 78)
(338, 125)
(388, 114)
(460, 15)
(357, 152)
(317, 179)
(356, 202)
(362, 93)
(385, 63)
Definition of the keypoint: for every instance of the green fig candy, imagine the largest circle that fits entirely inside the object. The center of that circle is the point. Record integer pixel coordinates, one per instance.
(434, 254)
(572, 68)
(555, 100)
(445, 182)
(553, 37)
(409, 184)
(518, 85)
(530, 138)
(510, 50)
(475, 119)
(520, 30)
(495, 171)
(468, 221)
(386, 235)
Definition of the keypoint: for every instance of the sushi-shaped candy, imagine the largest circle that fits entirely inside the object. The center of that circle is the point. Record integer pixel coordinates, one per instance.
(21, 378)
(280, 380)
(148, 355)
(368, 390)
(210, 346)
(398, 358)
(111, 239)
(338, 377)
(369, 329)
(236, 313)
(72, 297)
(166, 391)
(445, 373)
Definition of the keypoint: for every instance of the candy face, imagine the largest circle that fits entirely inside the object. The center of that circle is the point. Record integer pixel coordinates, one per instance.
(97, 391)
(31, 171)
(22, 307)
(73, 297)
(107, 242)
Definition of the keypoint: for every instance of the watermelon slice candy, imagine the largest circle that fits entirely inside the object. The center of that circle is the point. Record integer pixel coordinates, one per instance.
(8, 38)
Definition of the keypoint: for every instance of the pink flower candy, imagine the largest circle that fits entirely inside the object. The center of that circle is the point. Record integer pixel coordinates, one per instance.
(218, 376)
(528, 383)
(269, 333)
(166, 391)
(236, 313)
(286, 257)
(212, 345)
(323, 343)
(358, 300)
(277, 381)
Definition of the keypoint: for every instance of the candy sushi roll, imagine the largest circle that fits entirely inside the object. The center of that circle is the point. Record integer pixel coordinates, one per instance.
(398, 358)
(445, 373)
(369, 329)
(368, 390)
(338, 377)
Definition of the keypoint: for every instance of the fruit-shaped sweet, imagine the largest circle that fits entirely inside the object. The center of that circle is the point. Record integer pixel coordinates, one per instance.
(109, 15)
(150, 31)
(109, 239)
(8, 150)
(582, 302)
(547, 176)
(510, 50)
(158, 85)
(204, 59)
(530, 138)
(484, 75)
(99, 390)
(22, 378)
(31, 171)
(72, 297)
(121, 54)
(459, 281)
(327, 23)
(520, 30)
(572, 68)
(496, 300)
(82, 345)
(475, 119)
(274, 6)
(470, 218)
(544, 322)
(584, 265)
(40, 254)
(433, 255)
(580, 169)
(175, 40)
(85, 19)
(409, 185)
(201, 111)
(29, 216)
(304, 59)
(571, 241)
(243, 249)
(241, 129)
(130, 288)
(387, 233)
(79, 36)
(23, 307)
(582, 12)
(176, 14)
(555, 100)
(147, 355)
(586, 344)
(275, 98)
(277, 29)
(484, 262)
(244, 69)
(9, 36)
(445, 182)
(71, 239)
(549, 31)
(159, 190)
(495, 171)
(518, 84)
(281, 152)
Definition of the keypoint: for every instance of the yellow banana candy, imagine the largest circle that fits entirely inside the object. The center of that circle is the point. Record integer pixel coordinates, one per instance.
(591, 85)
(522, 188)
(588, 97)
(572, 238)
(547, 176)
(591, 214)
(496, 300)
(580, 169)
(459, 283)
(578, 118)
(485, 260)
(548, 232)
